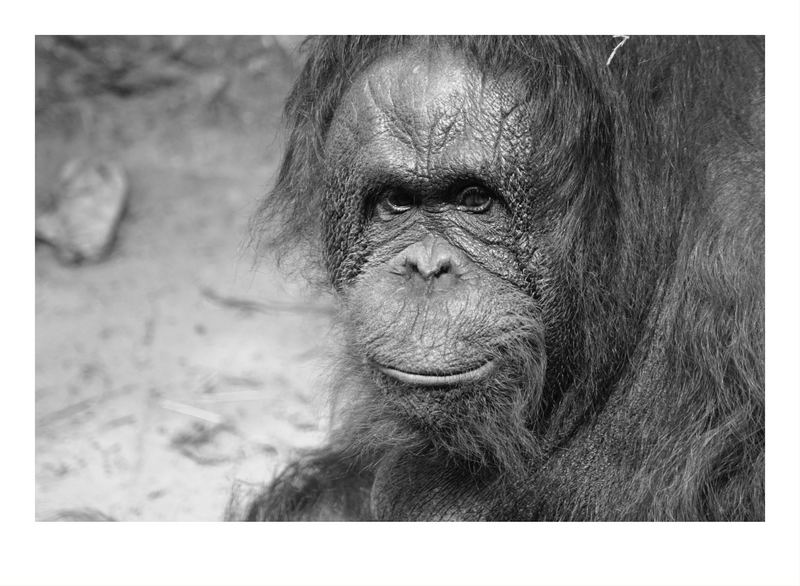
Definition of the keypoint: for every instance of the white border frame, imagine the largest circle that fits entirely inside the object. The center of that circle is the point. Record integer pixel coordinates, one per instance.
(514, 553)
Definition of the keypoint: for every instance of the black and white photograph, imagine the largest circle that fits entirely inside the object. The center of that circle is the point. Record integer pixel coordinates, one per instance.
(520, 282)
(541, 262)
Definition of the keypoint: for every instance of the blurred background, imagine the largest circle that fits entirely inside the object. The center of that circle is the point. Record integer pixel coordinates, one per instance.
(172, 366)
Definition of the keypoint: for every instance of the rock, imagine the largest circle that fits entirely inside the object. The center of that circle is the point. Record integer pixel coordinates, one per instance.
(82, 515)
(84, 211)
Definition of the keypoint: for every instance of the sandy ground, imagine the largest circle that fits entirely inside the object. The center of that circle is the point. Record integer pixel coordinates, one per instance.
(158, 384)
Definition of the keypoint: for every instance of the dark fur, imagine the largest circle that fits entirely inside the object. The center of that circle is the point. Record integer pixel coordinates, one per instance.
(657, 413)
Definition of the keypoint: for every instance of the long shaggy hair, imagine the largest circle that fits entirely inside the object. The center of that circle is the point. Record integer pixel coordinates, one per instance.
(657, 160)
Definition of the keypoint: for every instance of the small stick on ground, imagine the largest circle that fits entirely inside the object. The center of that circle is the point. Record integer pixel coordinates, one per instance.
(183, 408)
(252, 306)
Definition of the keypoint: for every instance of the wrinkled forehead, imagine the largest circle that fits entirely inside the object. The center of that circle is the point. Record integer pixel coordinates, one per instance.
(422, 103)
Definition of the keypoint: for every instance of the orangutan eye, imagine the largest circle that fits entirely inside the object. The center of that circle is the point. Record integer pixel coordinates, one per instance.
(474, 199)
(399, 200)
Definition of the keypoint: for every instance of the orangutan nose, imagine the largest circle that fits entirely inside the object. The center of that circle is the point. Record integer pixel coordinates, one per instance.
(430, 259)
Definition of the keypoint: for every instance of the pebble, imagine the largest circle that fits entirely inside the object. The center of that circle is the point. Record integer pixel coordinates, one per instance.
(84, 211)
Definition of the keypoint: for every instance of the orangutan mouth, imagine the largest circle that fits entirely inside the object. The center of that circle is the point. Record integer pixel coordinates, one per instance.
(438, 379)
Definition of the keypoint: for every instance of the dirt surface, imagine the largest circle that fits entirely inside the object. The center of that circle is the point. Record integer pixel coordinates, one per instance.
(174, 368)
